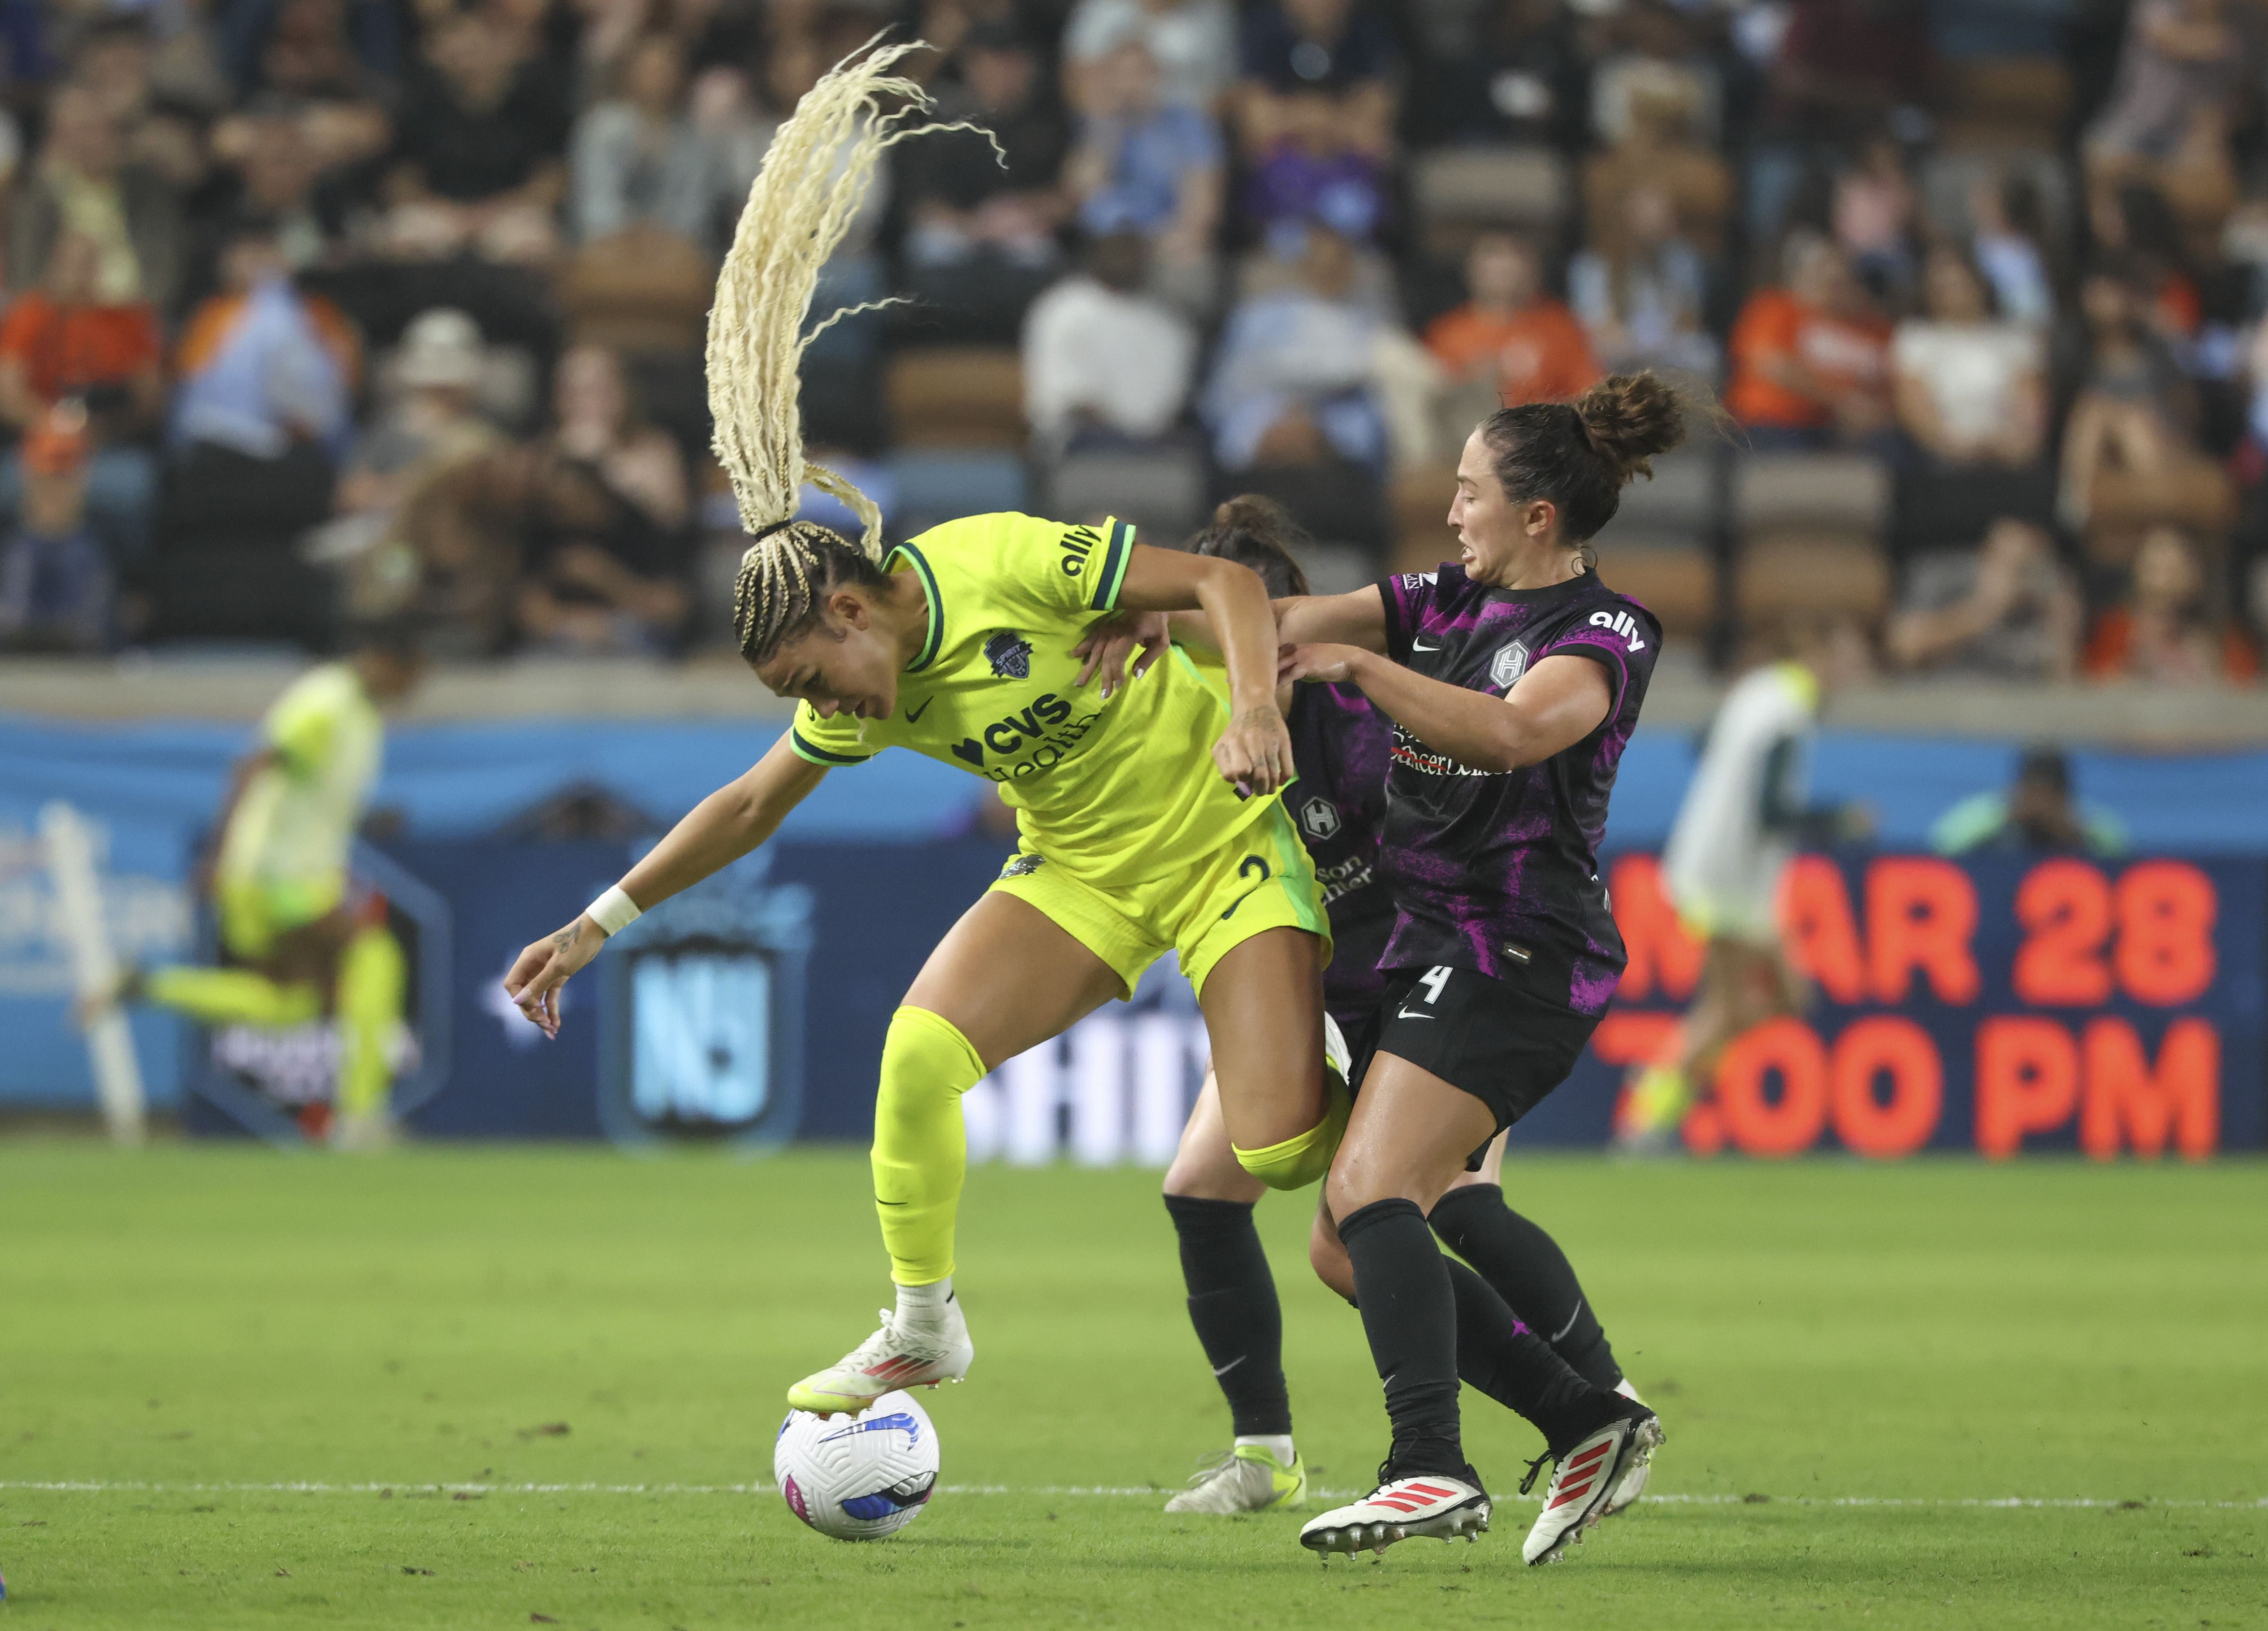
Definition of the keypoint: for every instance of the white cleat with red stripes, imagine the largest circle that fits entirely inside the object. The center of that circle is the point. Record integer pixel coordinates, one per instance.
(898, 1355)
(1587, 1478)
(1402, 1509)
(1632, 1484)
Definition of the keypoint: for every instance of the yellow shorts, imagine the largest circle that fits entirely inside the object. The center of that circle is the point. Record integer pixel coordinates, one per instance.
(255, 914)
(1260, 879)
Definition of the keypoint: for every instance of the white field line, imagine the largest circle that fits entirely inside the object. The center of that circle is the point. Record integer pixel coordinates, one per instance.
(296, 1488)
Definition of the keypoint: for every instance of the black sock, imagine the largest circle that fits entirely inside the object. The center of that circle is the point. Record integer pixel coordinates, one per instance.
(1530, 1272)
(1503, 1359)
(1232, 1305)
(1410, 1313)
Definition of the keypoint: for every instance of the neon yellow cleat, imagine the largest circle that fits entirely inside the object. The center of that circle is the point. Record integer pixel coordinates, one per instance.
(1246, 1478)
(1653, 1109)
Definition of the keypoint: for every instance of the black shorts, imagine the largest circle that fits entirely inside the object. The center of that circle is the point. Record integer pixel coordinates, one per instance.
(1495, 1042)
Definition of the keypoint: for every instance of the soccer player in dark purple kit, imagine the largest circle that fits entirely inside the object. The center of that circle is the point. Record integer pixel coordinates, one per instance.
(1341, 745)
(1514, 679)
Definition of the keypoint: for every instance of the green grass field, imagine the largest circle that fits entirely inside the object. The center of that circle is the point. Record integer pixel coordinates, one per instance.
(491, 1388)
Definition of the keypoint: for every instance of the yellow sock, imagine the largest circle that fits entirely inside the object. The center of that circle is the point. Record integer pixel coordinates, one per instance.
(233, 996)
(372, 976)
(1300, 1161)
(921, 1151)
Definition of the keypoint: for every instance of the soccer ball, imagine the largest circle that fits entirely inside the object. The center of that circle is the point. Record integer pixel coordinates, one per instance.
(857, 1477)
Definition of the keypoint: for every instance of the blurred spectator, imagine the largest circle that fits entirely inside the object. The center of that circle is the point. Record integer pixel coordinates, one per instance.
(1103, 362)
(1842, 69)
(1148, 166)
(1971, 387)
(2037, 814)
(2171, 628)
(59, 342)
(82, 183)
(55, 579)
(1641, 305)
(2135, 414)
(1316, 75)
(1844, 66)
(641, 160)
(1313, 168)
(1652, 55)
(1659, 147)
(1510, 331)
(2010, 239)
(264, 408)
(1510, 70)
(2172, 108)
(599, 424)
(477, 157)
(268, 181)
(575, 543)
(982, 241)
(2133, 225)
(1874, 215)
(1971, 396)
(1810, 362)
(432, 426)
(320, 48)
(113, 64)
(185, 68)
(2008, 610)
(1193, 42)
(1292, 381)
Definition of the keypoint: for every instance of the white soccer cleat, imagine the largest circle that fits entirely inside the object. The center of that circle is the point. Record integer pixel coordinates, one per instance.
(895, 1357)
(1632, 1484)
(1586, 1475)
(1245, 1478)
(1434, 1506)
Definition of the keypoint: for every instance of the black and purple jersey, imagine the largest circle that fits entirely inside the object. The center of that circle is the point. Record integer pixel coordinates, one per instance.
(1340, 743)
(1498, 872)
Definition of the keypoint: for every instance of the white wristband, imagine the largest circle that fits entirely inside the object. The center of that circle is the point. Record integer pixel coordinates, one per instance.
(614, 911)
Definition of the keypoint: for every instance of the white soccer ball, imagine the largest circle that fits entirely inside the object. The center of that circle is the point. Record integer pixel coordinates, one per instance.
(857, 1477)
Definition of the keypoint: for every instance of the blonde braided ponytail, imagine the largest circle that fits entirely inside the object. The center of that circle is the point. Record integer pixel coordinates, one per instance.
(815, 176)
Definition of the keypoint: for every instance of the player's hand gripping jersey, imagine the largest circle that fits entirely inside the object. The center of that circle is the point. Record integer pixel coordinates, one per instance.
(1113, 793)
(1498, 872)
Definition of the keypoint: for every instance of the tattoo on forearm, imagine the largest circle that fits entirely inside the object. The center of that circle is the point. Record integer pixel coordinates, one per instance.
(567, 936)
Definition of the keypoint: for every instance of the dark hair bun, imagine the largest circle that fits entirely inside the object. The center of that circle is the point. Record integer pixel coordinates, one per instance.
(1255, 531)
(1631, 417)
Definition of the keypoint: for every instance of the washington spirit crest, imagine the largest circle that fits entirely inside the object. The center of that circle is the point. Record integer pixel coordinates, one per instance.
(1010, 654)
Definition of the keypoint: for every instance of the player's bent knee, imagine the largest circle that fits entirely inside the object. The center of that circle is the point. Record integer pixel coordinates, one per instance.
(1302, 1160)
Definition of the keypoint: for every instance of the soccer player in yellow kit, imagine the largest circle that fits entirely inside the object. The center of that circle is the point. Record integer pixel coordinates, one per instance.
(279, 881)
(1147, 822)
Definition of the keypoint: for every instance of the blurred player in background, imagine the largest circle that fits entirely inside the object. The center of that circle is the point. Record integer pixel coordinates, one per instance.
(1341, 744)
(1746, 813)
(1145, 824)
(299, 946)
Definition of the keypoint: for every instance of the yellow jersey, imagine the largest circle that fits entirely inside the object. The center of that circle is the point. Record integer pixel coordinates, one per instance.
(294, 826)
(1113, 793)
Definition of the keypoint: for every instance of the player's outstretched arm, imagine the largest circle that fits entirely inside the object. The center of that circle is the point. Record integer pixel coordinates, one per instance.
(1357, 618)
(1555, 705)
(1255, 753)
(720, 829)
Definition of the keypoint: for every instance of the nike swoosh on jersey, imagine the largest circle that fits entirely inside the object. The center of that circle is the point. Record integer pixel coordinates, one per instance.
(912, 714)
(1403, 1013)
(1415, 646)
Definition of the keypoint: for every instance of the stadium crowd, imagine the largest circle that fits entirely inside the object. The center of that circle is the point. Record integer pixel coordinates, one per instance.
(323, 309)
